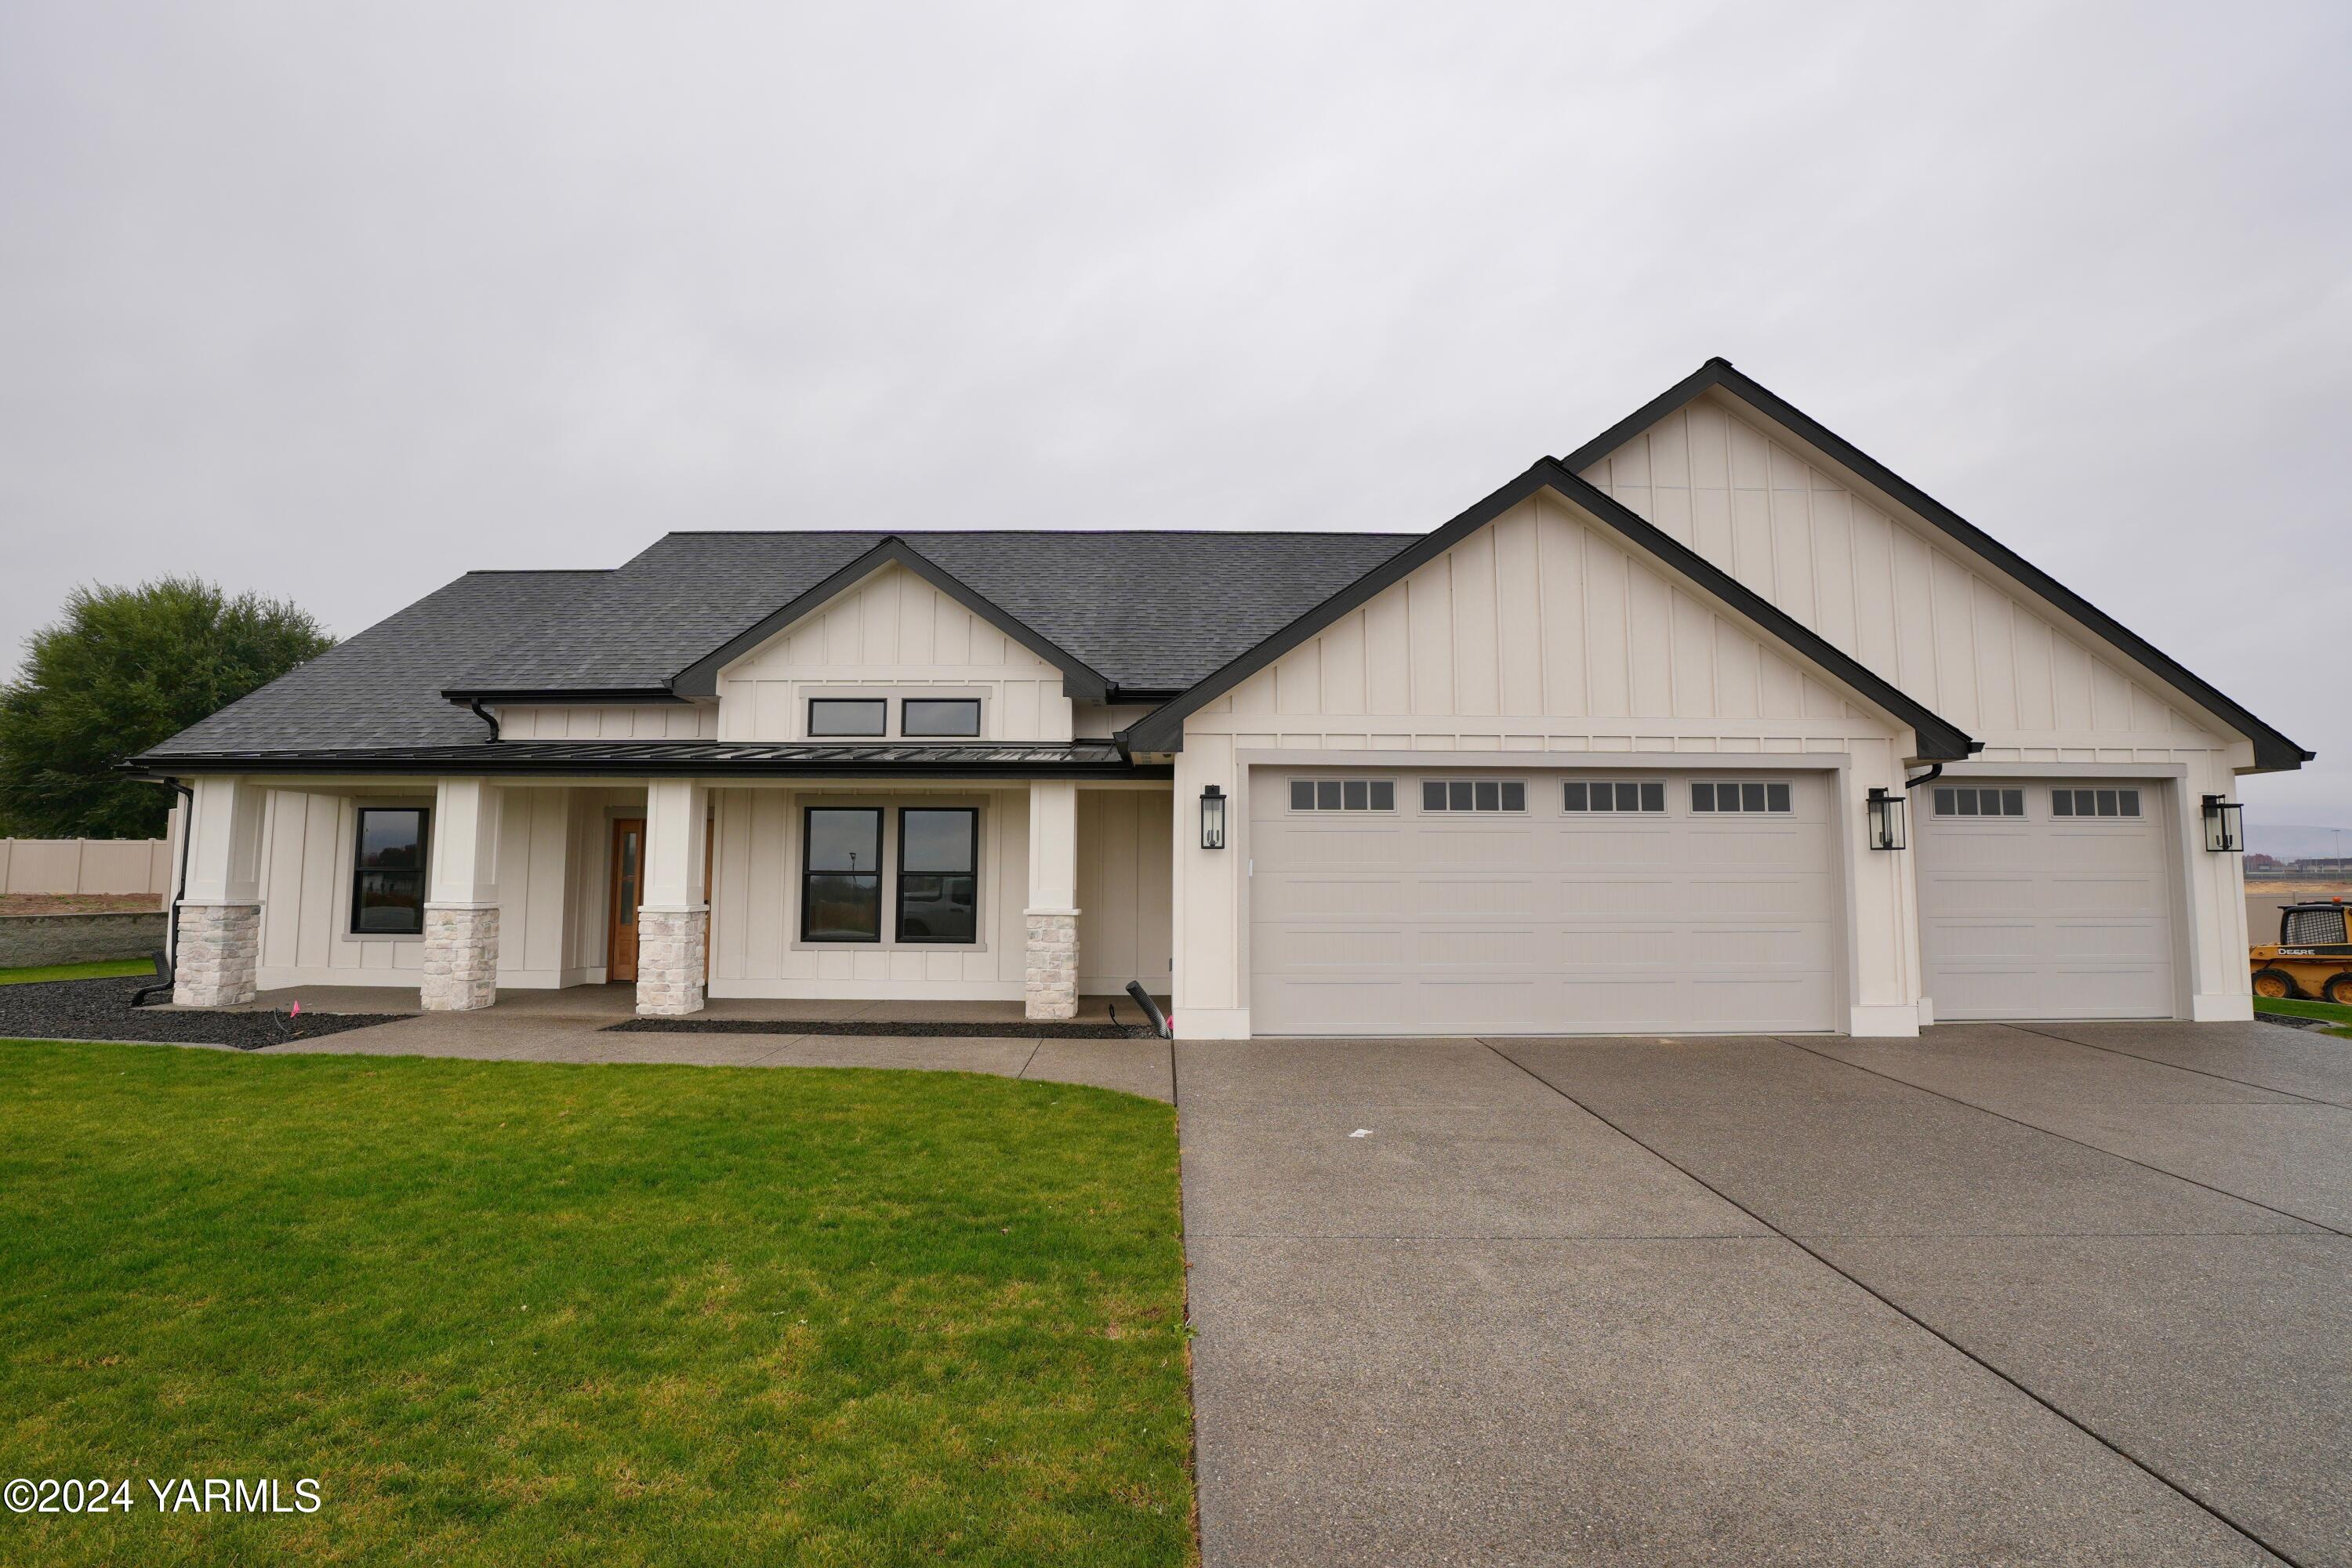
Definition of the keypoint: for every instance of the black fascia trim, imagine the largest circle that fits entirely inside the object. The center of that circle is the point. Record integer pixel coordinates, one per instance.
(1162, 730)
(1080, 679)
(2274, 751)
(467, 766)
(466, 697)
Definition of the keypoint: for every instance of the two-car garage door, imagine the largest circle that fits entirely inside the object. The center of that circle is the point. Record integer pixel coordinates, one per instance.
(1393, 901)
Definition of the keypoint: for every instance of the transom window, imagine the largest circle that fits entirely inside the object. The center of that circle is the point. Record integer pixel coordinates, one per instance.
(1743, 796)
(1474, 794)
(940, 716)
(848, 716)
(388, 871)
(1622, 794)
(938, 885)
(1980, 802)
(2094, 802)
(841, 874)
(1343, 794)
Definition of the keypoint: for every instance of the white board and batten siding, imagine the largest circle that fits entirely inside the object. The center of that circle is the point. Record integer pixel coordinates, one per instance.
(892, 635)
(1542, 641)
(2046, 696)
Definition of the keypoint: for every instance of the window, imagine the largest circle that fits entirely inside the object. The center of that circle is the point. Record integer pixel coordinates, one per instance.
(940, 716)
(1980, 802)
(848, 716)
(841, 876)
(1474, 794)
(938, 888)
(2094, 802)
(1741, 797)
(388, 876)
(1343, 794)
(2312, 928)
(1601, 795)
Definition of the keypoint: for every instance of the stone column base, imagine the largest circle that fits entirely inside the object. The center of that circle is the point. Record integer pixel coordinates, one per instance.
(461, 958)
(1052, 969)
(671, 944)
(218, 956)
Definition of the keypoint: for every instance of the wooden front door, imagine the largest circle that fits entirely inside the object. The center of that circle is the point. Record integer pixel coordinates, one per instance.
(628, 890)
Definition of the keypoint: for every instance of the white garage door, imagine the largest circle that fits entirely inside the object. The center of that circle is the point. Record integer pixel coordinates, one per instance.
(1389, 903)
(2045, 899)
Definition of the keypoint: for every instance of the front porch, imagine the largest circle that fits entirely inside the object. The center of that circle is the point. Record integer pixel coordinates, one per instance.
(792, 900)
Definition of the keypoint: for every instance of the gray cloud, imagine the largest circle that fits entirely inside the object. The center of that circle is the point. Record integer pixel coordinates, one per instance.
(335, 302)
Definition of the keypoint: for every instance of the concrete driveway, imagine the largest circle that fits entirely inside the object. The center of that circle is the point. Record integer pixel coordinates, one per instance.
(2066, 1294)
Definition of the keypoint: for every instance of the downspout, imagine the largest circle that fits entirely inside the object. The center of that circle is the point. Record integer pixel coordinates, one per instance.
(1935, 771)
(479, 712)
(179, 890)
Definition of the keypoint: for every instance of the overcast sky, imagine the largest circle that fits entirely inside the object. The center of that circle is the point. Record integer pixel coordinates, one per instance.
(335, 302)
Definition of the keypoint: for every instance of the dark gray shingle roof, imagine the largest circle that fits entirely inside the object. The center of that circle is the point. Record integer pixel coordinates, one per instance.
(1149, 611)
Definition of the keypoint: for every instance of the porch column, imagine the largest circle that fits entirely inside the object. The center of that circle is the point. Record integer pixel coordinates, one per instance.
(674, 917)
(220, 906)
(461, 897)
(1053, 911)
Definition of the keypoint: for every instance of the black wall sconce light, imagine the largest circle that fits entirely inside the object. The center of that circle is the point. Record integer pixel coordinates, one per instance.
(2225, 826)
(1213, 818)
(1886, 824)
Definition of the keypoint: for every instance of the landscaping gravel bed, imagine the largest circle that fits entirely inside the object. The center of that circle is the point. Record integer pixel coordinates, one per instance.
(938, 1028)
(99, 1010)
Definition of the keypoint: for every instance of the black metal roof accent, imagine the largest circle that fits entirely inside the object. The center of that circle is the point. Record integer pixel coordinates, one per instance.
(1013, 759)
(1939, 739)
(1080, 680)
(2274, 751)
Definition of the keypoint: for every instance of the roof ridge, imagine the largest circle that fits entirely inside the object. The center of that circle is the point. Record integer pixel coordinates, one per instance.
(1038, 532)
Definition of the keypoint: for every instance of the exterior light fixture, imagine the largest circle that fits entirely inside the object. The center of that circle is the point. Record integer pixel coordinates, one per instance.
(1213, 818)
(1886, 824)
(2225, 826)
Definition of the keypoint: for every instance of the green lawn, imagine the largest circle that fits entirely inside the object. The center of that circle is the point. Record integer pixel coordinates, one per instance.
(514, 1313)
(105, 969)
(2331, 1010)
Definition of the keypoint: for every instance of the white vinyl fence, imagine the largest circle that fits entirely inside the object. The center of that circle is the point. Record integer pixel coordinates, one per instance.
(86, 866)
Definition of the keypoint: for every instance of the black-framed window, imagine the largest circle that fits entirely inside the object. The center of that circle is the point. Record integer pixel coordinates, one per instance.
(1343, 794)
(1747, 795)
(1474, 794)
(2122, 803)
(938, 879)
(388, 871)
(943, 716)
(854, 716)
(841, 874)
(1621, 795)
(1964, 802)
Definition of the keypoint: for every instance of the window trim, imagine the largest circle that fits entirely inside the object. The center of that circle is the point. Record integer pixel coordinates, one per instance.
(1589, 784)
(1292, 808)
(1715, 806)
(1473, 808)
(879, 873)
(351, 930)
(899, 875)
(817, 734)
(909, 732)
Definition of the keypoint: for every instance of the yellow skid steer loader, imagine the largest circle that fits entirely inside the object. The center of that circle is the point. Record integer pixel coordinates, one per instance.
(2312, 958)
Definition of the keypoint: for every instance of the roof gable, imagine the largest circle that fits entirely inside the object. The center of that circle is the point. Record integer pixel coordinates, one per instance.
(1163, 728)
(700, 679)
(1719, 378)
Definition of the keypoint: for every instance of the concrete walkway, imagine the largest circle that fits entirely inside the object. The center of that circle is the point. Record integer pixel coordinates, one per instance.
(2071, 1295)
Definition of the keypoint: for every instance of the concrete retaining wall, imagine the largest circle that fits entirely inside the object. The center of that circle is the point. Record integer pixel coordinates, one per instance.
(27, 939)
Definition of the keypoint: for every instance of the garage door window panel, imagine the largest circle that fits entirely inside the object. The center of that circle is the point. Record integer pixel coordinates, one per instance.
(2122, 805)
(1620, 795)
(1746, 797)
(1961, 801)
(1474, 794)
(1343, 794)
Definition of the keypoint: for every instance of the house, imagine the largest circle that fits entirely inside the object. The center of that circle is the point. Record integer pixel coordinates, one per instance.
(1716, 724)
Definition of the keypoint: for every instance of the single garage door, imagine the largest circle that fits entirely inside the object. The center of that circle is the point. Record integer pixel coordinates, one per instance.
(1396, 902)
(2045, 899)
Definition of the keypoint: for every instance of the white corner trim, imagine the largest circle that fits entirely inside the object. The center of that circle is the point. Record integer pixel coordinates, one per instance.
(2212, 1007)
(1213, 1024)
(1898, 1023)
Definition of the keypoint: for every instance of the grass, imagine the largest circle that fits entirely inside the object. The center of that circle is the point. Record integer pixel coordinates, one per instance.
(2330, 1010)
(520, 1313)
(105, 969)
